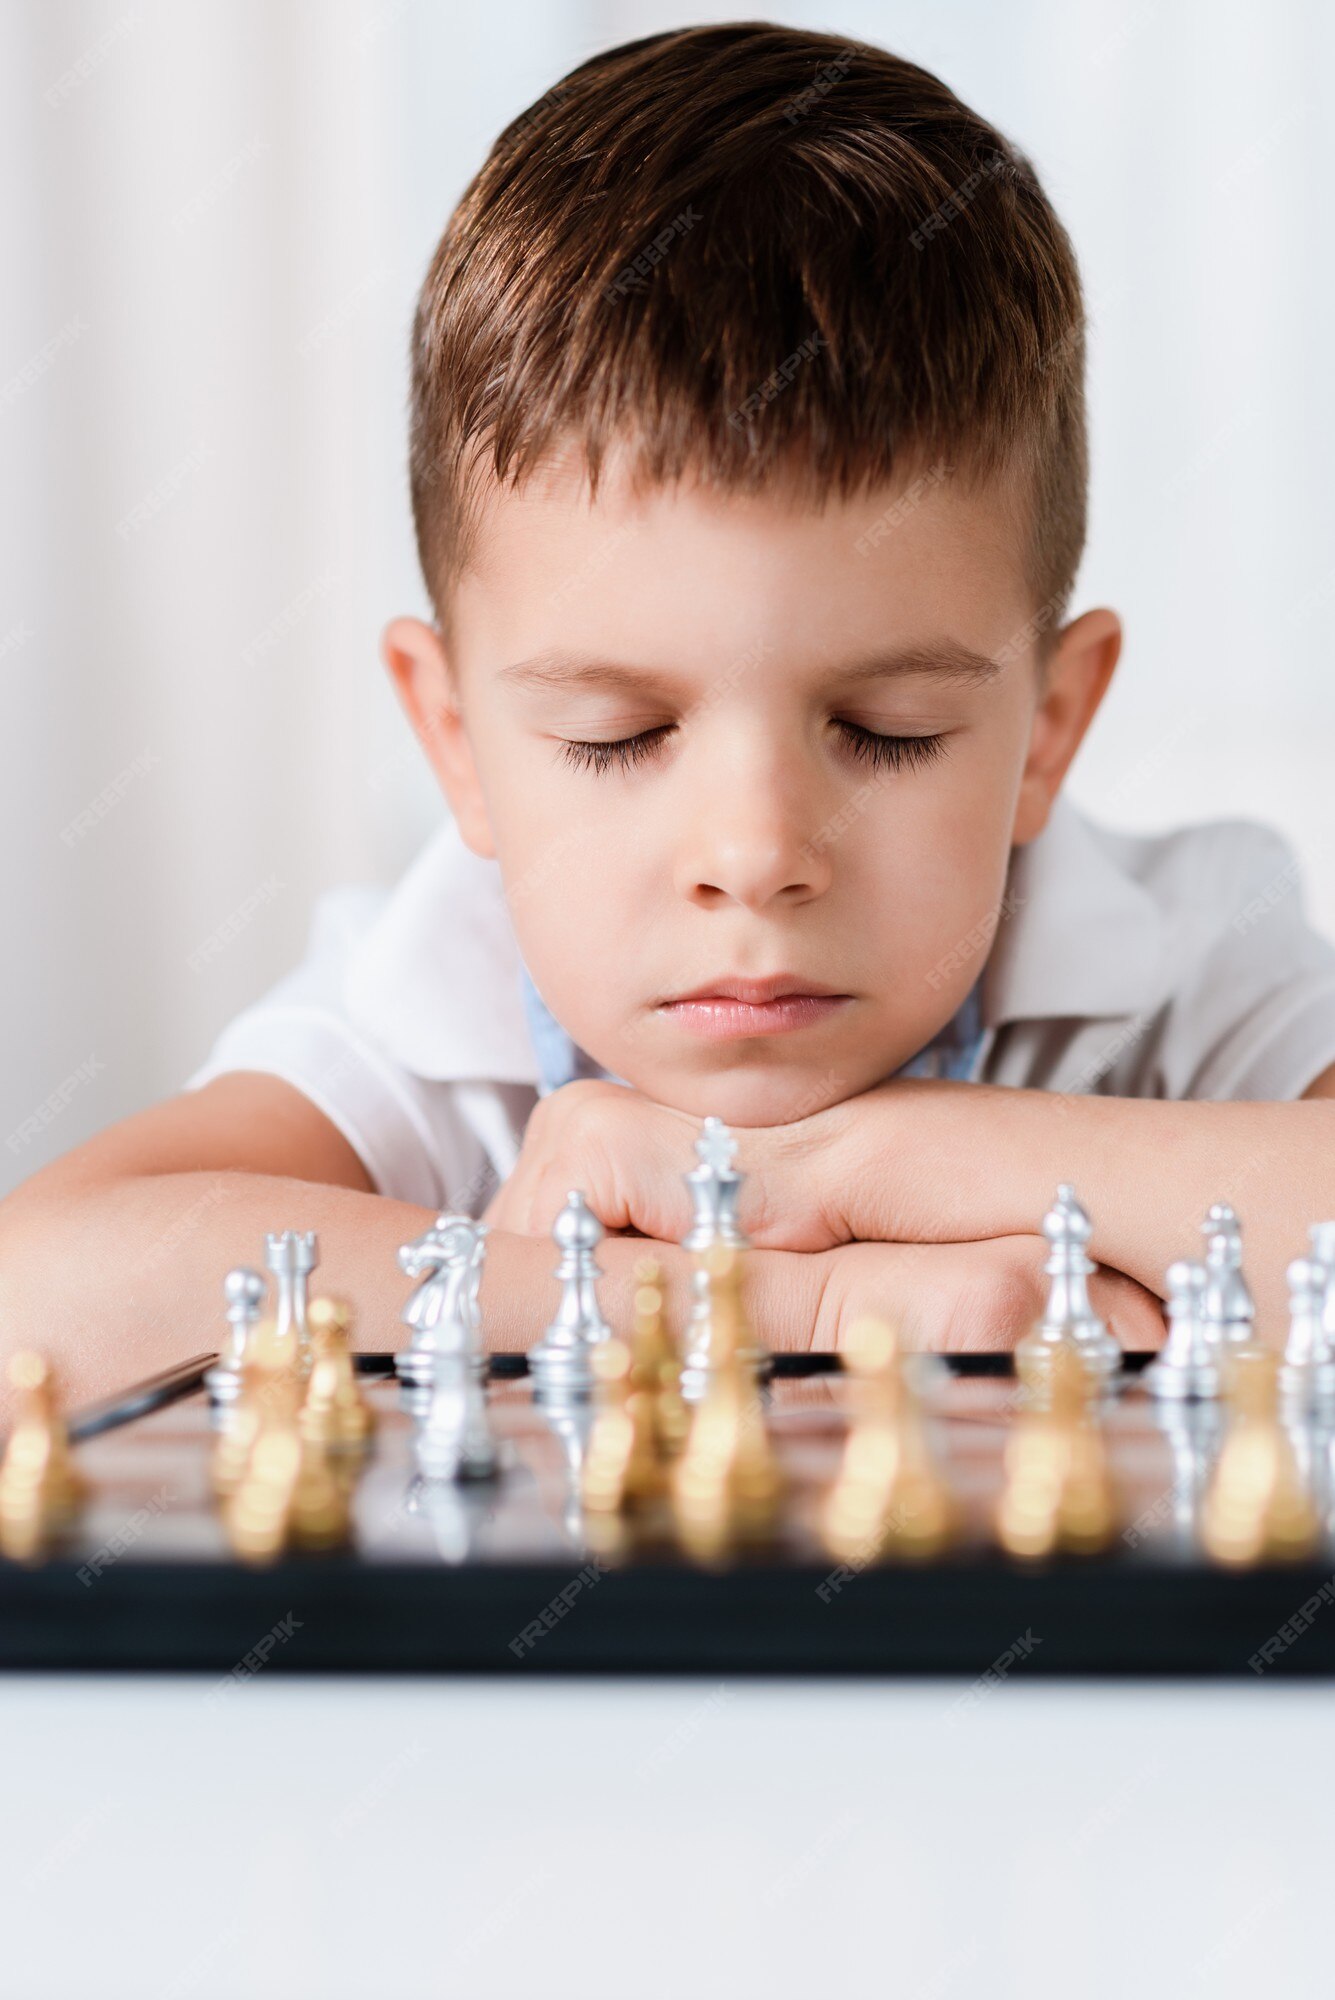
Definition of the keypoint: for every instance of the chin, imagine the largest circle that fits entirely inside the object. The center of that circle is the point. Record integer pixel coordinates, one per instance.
(743, 1097)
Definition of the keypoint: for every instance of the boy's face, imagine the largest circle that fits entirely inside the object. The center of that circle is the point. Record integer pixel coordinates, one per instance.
(714, 740)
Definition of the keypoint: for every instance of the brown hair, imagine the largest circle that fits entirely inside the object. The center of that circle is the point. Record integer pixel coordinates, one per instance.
(753, 252)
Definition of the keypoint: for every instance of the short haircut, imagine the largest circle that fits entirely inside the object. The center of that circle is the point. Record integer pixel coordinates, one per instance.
(752, 253)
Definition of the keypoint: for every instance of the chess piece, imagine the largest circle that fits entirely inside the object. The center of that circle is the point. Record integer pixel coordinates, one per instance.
(714, 1185)
(1069, 1319)
(1257, 1507)
(1058, 1496)
(888, 1498)
(244, 1291)
(1307, 1374)
(269, 1395)
(726, 1485)
(40, 1491)
(1191, 1427)
(455, 1439)
(334, 1412)
(622, 1468)
(1321, 1236)
(561, 1363)
(292, 1257)
(1229, 1310)
(654, 1364)
(443, 1311)
(1186, 1367)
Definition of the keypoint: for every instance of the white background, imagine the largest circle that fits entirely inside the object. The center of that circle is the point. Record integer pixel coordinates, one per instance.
(215, 237)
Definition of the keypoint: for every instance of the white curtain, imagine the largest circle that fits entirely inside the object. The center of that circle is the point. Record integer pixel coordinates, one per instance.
(215, 215)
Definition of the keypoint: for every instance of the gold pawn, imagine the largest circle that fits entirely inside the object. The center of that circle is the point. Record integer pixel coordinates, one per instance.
(334, 1412)
(40, 1491)
(275, 1486)
(622, 1469)
(889, 1498)
(1058, 1495)
(655, 1364)
(727, 1485)
(1257, 1506)
(269, 1396)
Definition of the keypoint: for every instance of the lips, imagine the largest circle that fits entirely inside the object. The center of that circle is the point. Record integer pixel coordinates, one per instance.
(740, 1009)
(757, 992)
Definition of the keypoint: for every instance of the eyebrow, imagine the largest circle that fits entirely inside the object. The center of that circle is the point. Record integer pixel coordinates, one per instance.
(945, 660)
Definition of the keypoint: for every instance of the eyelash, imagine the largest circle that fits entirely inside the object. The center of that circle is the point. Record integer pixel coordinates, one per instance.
(895, 753)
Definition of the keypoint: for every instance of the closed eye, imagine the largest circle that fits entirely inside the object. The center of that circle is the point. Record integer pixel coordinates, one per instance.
(890, 753)
(625, 752)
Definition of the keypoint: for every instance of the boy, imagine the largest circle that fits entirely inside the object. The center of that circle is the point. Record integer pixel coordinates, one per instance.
(748, 474)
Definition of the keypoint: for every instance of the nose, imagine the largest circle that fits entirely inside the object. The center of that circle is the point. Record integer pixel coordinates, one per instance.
(749, 838)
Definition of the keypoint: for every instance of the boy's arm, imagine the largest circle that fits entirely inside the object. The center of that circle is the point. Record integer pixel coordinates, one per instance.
(112, 1259)
(957, 1166)
(945, 1160)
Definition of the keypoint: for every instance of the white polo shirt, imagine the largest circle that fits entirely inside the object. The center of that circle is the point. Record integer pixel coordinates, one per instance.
(1172, 965)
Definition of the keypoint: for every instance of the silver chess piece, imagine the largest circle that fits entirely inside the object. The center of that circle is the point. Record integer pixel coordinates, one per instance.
(714, 1185)
(1193, 1429)
(244, 1291)
(560, 1363)
(1230, 1311)
(1321, 1236)
(1307, 1373)
(1068, 1316)
(455, 1439)
(443, 1312)
(1187, 1367)
(292, 1257)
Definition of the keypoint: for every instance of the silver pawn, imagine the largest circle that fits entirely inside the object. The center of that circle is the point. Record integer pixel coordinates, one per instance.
(442, 1312)
(1230, 1311)
(1193, 1431)
(292, 1257)
(1307, 1374)
(1187, 1367)
(244, 1291)
(1069, 1316)
(1321, 1235)
(560, 1363)
(714, 1185)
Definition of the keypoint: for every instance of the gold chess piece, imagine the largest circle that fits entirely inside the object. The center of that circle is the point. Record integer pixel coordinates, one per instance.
(270, 1393)
(1257, 1506)
(655, 1364)
(889, 1497)
(1058, 1496)
(334, 1412)
(40, 1491)
(622, 1468)
(726, 1486)
(288, 1494)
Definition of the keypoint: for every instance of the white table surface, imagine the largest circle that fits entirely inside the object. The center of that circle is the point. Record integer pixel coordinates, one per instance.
(333, 1837)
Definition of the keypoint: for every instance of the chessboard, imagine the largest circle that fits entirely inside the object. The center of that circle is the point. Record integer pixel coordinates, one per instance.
(512, 1575)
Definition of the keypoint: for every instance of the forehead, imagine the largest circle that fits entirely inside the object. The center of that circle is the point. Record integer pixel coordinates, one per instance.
(688, 562)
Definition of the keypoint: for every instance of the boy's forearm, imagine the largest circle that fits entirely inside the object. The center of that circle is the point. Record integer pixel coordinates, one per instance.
(959, 1162)
(117, 1280)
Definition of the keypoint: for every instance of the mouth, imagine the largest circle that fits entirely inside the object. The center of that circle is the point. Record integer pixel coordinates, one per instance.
(728, 1009)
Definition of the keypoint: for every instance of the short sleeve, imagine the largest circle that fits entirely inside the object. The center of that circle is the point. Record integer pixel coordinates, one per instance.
(1253, 1016)
(409, 1132)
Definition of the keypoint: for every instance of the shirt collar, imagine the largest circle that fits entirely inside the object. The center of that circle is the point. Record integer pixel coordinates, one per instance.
(1079, 935)
(438, 980)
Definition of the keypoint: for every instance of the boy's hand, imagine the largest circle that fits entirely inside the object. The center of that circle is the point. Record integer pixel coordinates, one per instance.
(628, 1154)
(965, 1297)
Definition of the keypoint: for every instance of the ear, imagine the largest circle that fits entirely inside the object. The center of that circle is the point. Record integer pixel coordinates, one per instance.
(420, 669)
(1075, 681)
